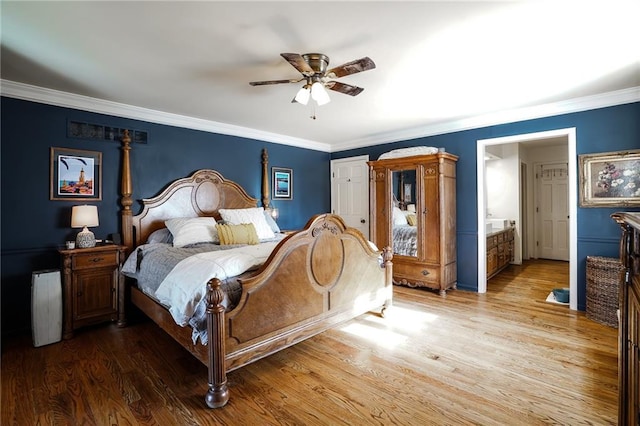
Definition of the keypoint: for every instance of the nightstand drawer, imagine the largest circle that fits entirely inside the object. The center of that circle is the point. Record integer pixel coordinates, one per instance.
(95, 260)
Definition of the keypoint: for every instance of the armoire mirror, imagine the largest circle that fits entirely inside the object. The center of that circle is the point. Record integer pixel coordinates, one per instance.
(405, 224)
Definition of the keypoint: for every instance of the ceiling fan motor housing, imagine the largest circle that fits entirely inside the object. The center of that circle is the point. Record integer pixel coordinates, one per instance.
(317, 61)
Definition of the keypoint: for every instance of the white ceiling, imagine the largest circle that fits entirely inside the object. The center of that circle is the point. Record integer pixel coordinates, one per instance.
(441, 66)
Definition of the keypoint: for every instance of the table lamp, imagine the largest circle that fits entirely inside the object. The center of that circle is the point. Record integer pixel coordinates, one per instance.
(83, 217)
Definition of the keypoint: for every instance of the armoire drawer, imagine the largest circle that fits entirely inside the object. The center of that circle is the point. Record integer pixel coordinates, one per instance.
(417, 273)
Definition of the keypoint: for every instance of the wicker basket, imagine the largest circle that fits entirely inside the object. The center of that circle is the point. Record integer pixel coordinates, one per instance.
(603, 282)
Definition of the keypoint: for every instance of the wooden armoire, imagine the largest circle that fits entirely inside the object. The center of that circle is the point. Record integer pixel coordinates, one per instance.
(427, 182)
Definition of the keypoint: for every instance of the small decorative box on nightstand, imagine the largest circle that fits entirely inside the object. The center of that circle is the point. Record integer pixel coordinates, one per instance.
(91, 278)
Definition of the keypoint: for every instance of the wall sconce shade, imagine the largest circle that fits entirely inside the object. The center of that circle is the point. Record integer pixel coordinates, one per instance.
(83, 217)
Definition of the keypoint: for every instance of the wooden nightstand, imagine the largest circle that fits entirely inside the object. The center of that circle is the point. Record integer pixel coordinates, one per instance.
(91, 278)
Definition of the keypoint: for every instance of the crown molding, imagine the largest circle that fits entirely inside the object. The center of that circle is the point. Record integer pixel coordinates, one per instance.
(37, 94)
(69, 100)
(602, 100)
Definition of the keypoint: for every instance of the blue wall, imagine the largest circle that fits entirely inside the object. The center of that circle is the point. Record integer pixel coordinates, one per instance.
(602, 130)
(33, 227)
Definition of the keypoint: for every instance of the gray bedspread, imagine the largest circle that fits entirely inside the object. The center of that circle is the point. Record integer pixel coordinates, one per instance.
(405, 240)
(149, 264)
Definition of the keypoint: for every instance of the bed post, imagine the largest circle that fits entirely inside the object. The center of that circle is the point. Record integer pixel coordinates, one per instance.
(265, 179)
(387, 256)
(125, 200)
(218, 393)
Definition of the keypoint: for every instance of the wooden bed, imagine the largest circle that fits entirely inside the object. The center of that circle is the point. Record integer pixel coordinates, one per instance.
(315, 278)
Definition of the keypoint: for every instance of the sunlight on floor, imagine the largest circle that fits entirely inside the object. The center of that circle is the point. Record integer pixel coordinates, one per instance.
(391, 330)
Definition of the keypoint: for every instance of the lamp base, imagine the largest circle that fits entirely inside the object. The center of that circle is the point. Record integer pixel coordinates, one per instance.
(85, 239)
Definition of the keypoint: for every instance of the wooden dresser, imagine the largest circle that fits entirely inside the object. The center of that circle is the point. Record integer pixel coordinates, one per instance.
(500, 246)
(629, 326)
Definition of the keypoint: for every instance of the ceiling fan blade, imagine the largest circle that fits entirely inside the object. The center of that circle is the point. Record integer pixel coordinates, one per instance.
(352, 67)
(347, 89)
(263, 83)
(298, 62)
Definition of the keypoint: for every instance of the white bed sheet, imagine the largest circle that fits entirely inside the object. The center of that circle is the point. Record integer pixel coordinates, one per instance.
(185, 286)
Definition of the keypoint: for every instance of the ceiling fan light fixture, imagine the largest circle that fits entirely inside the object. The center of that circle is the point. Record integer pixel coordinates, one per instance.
(303, 94)
(319, 93)
(313, 67)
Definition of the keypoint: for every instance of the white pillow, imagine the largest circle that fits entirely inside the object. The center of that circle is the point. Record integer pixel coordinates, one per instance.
(254, 215)
(398, 217)
(193, 230)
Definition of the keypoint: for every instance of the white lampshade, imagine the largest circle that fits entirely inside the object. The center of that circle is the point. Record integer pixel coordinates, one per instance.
(302, 96)
(411, 208)
(82, 217)
(319, 93)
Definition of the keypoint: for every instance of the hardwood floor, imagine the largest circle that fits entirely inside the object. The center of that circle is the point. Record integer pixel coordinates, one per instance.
(503, 358)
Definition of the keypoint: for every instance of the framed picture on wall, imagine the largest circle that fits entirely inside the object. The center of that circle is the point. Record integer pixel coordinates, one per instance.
(407, 193)
(75, 175)
(282, 179)
(610, 179)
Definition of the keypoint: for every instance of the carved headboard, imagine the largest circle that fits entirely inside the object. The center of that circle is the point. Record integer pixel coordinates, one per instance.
(201, 194)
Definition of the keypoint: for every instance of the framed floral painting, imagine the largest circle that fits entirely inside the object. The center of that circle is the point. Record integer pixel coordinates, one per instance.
(610, 179)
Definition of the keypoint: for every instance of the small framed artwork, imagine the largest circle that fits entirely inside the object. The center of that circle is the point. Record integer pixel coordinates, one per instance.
(610, 179)
(282, 183)
(407, 193)
(75, 175)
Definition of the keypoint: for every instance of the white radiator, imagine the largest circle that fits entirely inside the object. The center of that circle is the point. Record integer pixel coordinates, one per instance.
(46, 307)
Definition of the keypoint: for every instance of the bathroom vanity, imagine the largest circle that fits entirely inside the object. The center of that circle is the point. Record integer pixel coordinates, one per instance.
(500, 247)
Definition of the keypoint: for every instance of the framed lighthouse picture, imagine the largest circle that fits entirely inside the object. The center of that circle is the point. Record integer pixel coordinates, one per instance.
(76, 175)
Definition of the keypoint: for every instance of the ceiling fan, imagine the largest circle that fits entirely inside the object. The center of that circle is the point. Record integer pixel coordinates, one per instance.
(313, 67)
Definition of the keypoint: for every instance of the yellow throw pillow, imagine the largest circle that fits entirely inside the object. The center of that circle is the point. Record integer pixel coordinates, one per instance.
(245, 233)
(412, 219)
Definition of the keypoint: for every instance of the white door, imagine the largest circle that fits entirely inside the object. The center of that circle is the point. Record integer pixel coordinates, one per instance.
(553, 211)
(350, 191)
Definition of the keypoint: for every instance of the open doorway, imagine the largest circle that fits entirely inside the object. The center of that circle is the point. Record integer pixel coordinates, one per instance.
(522, 217)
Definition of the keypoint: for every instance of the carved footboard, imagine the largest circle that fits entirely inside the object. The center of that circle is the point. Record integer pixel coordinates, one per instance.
(316, 278)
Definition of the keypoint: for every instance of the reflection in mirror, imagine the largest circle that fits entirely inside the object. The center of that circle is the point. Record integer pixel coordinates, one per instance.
(404, 220)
